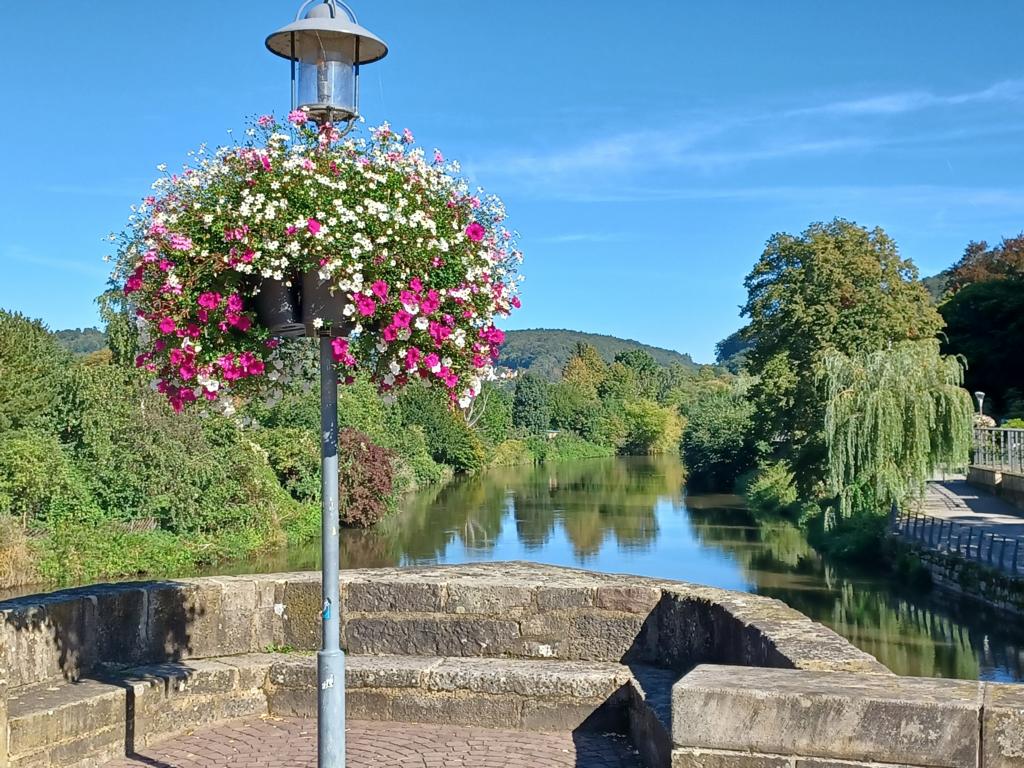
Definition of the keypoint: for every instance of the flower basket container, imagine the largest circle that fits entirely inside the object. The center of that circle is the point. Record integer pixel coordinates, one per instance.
(278, 309)
(320, 303)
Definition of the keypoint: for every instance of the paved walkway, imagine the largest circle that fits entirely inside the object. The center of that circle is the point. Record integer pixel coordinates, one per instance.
(959, 502)
(957, 517)
(291, 743)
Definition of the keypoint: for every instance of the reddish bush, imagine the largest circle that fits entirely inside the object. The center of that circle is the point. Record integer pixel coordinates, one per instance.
(366, 479)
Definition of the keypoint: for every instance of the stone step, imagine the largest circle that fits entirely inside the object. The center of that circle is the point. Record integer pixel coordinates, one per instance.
(530, 694)
(650, 713)
(85, 723)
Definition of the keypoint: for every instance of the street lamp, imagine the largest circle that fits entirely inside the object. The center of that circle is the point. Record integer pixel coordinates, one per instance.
(326, 47)
(980, 396)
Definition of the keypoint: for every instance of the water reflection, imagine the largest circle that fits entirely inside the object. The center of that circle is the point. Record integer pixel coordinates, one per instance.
(631, 516)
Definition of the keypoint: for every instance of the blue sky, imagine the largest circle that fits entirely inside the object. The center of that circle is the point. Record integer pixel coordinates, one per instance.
(646, 151)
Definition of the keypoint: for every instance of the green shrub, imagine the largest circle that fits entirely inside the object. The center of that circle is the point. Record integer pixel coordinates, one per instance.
(566, 447)
(32, 365)
(511, 453)
(366, 480)
(651, 428)
(717, 443)
(1013, 424)
(449, 439)
(771, 489)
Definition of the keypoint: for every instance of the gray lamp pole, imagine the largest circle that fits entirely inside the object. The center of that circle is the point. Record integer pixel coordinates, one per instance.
(326, 46)
(981, 402)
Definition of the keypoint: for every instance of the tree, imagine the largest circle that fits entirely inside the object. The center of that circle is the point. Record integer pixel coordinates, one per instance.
(985, 324)
(32, 366)
(585, 370)
(651, 428)
(645, 367)
(731, 352)
(531, 408)
(716, 444)
(891, 418)
(981, 264)
(837, 287)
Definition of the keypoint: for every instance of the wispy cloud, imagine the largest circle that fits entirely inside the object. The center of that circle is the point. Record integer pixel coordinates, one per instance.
(697, 147)
(915, 101)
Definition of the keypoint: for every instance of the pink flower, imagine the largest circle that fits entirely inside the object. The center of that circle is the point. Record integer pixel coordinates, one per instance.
(365, 305)
(412, 356)
(438, 157)
(297, 117)
(167, 326)
(380, 290)
(187, 371)
(133, 283)
(475, 232)
(210, 300)
(401, 319)
(176, 356)
(181, 243)
(313, 225)
(430, 304)
(241, 322)
(407, 136)
(416, 284)
(390, 333)
(234, 303)
(265, 121)
(432, 362)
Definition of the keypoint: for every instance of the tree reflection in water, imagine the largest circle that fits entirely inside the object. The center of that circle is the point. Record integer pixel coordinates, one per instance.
(630, 515)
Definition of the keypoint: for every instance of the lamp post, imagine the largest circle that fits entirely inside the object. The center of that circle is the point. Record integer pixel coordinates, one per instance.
(980, 396)
(326, 46)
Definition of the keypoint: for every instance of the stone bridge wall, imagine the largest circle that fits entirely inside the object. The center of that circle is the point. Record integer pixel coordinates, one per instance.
(547, 646)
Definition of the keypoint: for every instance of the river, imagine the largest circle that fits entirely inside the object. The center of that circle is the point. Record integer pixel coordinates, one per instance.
(631, 515)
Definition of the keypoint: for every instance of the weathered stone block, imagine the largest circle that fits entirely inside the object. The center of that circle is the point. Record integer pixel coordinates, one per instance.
(564, 598)
(47, 637)
(587, 635)
(99, 746)
(548, 679)
(236, 629)
(300, 609)
(628, 599)
(488, 599)
(835, 715)
(184, 619)
(560, 715)
(195, 677)
(367, 704)
(43, 715)
(699, 758)
(443, 636)
(180, 713)
(1003, 727)
(460, 709)
(121, 621)
(396, 597)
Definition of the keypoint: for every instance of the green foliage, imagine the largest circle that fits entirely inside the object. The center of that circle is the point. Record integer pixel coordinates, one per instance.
(891, 418)
(645, 370)
(490, 414)
(32, 367)
(770, 490)
(512, 453)
(294, 455)
(545, 353)
(143, 462)
(1013, 424)
(449, 439)
(38, 484)
(651, 428)
(566, 447)
(531, 406)
(717, 440)
(572, 409)
(985, 324)
(836, 287)
(81, 341)
(731, 352)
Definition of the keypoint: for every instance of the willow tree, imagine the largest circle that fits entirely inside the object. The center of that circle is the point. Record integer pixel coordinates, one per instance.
(891, 418)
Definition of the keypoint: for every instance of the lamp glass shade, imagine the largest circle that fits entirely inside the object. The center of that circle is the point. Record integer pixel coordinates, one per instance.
(325, 73)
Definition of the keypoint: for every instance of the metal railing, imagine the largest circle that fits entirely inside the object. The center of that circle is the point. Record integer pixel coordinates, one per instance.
(999, 448)
(971, 542)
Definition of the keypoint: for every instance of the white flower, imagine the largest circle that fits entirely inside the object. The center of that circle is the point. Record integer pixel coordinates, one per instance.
(318, 322)
(421, 323)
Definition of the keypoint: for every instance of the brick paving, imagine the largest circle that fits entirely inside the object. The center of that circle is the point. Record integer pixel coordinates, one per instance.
(291, 743)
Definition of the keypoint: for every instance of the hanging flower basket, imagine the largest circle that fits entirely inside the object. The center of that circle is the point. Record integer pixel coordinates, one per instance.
(295, 232)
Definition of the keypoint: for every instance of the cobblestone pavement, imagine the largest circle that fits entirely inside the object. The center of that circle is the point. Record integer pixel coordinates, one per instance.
(291, 743)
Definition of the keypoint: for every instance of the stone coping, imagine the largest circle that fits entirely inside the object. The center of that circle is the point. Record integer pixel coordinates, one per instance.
(512, 609)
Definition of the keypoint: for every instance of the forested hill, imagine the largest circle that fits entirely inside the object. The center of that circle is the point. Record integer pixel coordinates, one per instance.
(545, 351)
